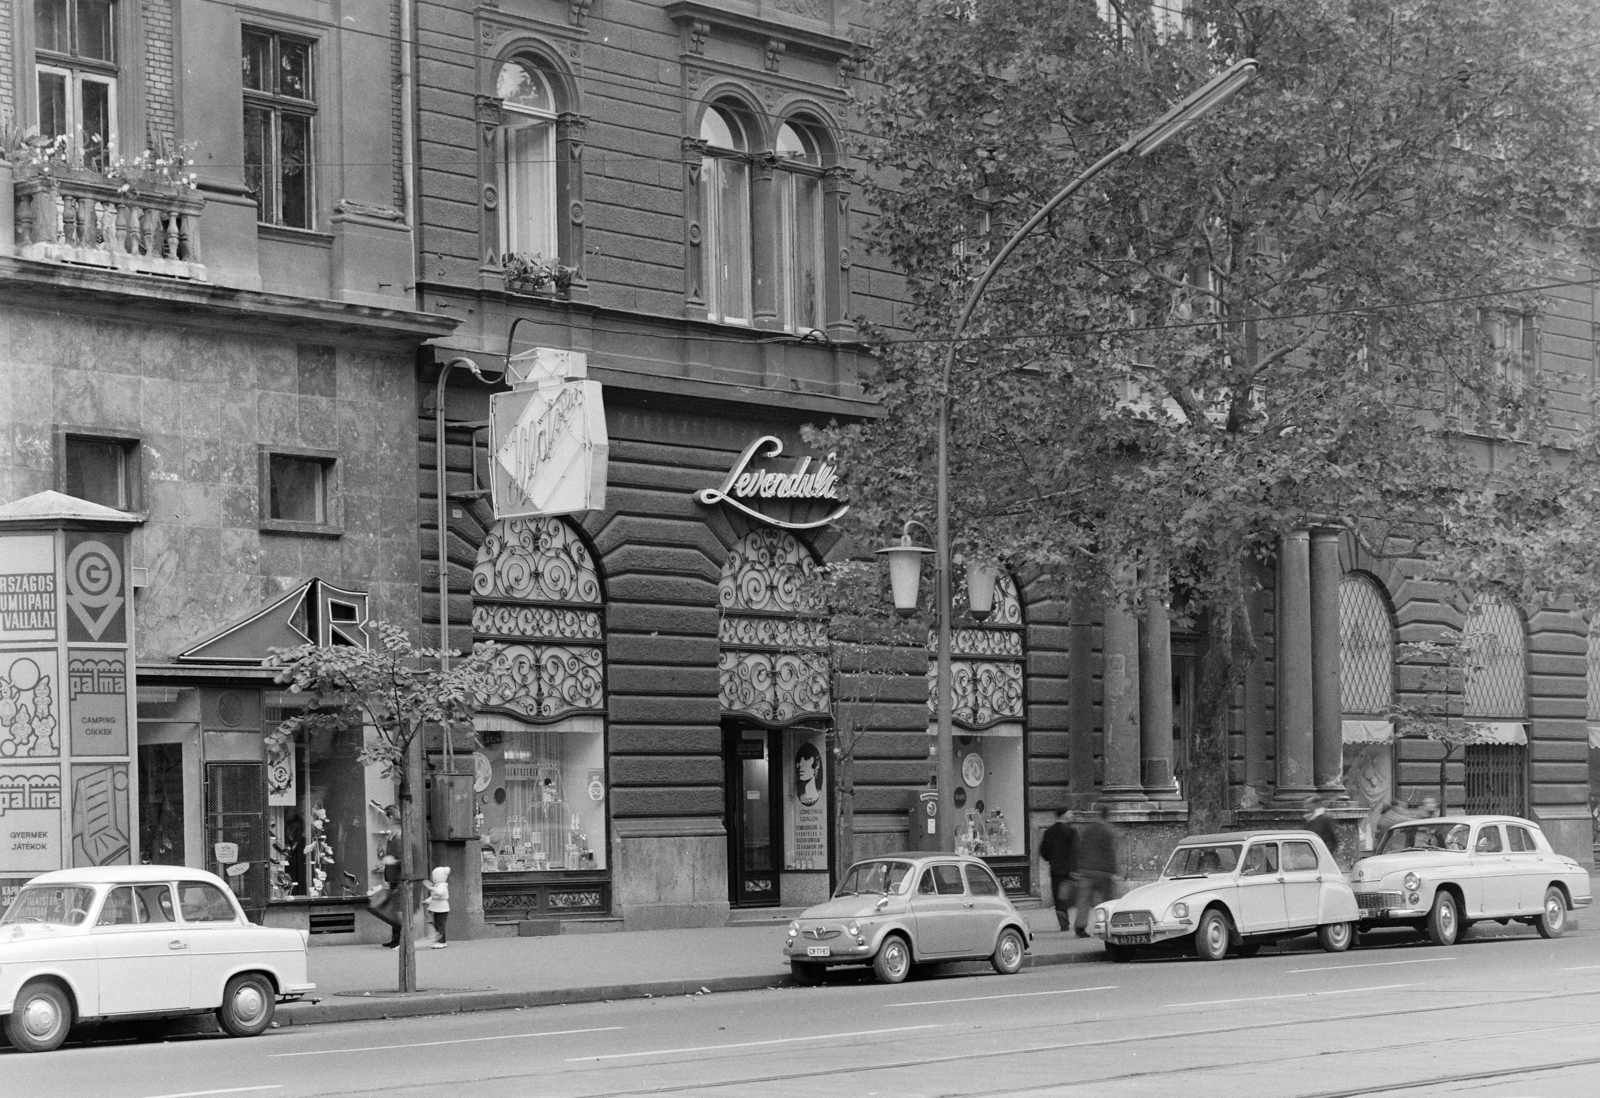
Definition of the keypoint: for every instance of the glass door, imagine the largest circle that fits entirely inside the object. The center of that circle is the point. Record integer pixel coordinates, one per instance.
(752, 818)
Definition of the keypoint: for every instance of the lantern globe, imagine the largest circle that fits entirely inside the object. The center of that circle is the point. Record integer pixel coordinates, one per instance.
(981, 580)
(905, 574)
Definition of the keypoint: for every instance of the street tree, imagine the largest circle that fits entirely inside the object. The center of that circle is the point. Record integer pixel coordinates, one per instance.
(393, 691)
(1293, 313)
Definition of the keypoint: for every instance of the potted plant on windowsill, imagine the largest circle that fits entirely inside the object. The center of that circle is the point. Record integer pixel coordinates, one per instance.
(533, 274)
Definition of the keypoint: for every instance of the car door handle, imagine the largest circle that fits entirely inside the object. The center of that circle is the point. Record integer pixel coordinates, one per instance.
(1280, 880)
(176, 944)
(969, 903)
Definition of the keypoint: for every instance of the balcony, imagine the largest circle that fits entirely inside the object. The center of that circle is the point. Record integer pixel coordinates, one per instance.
(82, 218)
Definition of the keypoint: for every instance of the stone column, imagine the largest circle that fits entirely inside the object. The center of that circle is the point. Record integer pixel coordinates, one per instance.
(1155, 695)
(694, 265)
(1326, 707)
(1120, 711)
(569, 221)
(1294, 740)
(836, 252)
(1080, 709)
(765, 248)
(1255, 683)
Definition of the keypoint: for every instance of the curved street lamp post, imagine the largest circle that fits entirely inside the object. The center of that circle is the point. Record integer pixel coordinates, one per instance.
(905, 557)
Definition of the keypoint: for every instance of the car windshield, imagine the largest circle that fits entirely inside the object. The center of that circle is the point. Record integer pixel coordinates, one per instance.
(1426, 835)
(875, 877)
(64, 906)
(1189, 861)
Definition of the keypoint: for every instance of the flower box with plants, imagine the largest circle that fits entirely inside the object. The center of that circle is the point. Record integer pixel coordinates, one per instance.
(533, 274)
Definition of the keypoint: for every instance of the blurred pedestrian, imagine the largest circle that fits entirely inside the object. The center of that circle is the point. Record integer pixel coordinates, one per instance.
(1095, 867)
(389, 909)
(1059, 848)
(1319, 823)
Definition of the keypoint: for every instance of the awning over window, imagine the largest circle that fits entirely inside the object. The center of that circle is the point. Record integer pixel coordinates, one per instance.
(1005, 730)
(1499, 732)
(1368, 731)
(499, 722)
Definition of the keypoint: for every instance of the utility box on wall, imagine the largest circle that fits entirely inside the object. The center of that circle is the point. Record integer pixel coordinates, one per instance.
(450, 807)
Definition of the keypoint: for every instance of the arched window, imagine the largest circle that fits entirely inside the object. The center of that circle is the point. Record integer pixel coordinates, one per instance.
(1366, 649)
(526, 153)
(800, 215)
(725, 216)
(1495, 667)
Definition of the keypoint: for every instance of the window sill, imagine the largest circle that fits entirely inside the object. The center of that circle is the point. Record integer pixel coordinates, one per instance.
(294, 236)
(300, 529)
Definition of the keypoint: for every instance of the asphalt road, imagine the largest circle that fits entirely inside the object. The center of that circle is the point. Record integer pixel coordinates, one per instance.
(1506, 1015)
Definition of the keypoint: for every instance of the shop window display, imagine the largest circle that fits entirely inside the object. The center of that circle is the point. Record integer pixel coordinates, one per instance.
(541, 804)
(989, 791)
(316, 806)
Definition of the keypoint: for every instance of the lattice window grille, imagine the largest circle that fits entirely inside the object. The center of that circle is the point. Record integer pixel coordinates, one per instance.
(1495, 667)
(987, 685)
(773, 666)
(535, 560)
(1594, 671)
(1366, 649)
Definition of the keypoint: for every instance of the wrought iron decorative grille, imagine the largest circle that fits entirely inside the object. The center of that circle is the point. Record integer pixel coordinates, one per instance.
(1495, 669)
(546, 680)
(775, 687)
(982, 693)
(735, 631)
(535, 559)
(770, 571)
(1366, 648)
(536, 622)
(1594, 671)
(1496, 779)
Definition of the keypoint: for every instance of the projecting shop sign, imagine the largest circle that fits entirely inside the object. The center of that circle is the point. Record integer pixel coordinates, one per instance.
(548, 438)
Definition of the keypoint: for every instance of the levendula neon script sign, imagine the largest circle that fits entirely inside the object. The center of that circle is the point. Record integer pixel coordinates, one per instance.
(749, 480)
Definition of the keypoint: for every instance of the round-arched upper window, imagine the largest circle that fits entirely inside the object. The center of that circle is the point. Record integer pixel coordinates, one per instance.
(524, 88)
(721, 129)
(796, 145)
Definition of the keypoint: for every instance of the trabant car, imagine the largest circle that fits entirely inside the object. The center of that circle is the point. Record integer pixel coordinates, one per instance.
(130, 942)
(897, 910)
(1234, 891)
(1441, 875)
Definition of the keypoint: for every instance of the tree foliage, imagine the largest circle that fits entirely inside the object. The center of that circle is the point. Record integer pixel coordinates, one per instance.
(1287, 315)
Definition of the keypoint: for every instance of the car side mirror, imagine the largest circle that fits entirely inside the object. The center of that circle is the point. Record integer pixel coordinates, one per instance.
(883, 902)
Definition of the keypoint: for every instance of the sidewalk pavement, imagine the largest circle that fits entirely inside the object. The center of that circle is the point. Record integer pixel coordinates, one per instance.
(356, 983)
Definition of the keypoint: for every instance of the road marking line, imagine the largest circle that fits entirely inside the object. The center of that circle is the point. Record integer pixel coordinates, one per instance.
(230, 1090)
(1014, 995)
(752, 1044)
(1298, 995)
(428, 1044)
(1377, 964)
(1581, 968)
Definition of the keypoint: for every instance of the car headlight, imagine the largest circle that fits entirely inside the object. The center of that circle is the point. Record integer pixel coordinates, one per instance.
(1179, 910)
(794, 929)
(852, 928)
(1412, 882)
(1099, 916)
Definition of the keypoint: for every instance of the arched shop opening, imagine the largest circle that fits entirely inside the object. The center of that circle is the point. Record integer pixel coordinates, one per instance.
(774, 696)
(540, 770)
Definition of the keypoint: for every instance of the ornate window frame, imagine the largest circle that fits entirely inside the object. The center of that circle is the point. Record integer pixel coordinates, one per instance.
(773, 667)
(987, 680)
(1495, 687)
(1366, 648)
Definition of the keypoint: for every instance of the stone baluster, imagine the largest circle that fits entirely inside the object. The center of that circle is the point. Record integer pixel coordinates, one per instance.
(169, 247)
(25, 208)
(69, 220)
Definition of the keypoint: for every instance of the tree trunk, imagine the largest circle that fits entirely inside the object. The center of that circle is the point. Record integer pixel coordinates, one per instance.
(413, 824)
(846, 852)
(1229, 650)
(1444, 763)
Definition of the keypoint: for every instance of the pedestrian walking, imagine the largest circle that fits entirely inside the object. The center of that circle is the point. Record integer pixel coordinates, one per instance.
(1058, 848)
(438, 887)
(1319, 823)
(1095, 869)
(386, 904)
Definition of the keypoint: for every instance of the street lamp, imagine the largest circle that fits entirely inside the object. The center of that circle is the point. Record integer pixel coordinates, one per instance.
(1215, 92)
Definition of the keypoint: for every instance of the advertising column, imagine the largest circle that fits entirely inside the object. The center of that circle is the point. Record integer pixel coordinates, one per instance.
(66, 702)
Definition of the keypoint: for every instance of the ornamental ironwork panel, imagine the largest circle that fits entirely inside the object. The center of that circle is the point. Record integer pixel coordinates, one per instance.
(538, 559)
(1496, 670)
(1496, 779)
(1366, 648)
(546, 680)
(540, 622)
(1594, 671)
(982, 692)
(770, 570)
(786, 633)
(774, 687)
(994, 643)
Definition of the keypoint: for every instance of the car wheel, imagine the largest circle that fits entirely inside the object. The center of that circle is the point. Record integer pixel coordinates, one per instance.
(1007, 955)
(1211, 936)
(40, 1018)
(1119, 954)
(805, 975)
(1444, 922)
(1247, 949)
(1553, 919)
(1335, 937)
(893, 962)
(247, 1005)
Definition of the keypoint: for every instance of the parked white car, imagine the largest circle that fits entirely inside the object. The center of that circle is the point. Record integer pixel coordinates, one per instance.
(139, 942)
(1443, 874)
(1235, 891)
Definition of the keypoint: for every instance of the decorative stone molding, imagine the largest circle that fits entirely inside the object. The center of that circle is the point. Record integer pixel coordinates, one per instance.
(698, 33)
(774, 54)
(578, 11)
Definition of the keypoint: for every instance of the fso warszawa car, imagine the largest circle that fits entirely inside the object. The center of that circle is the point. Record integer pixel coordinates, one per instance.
(1236, 891)
(132, 942)
(898, 910)
(1443, 874)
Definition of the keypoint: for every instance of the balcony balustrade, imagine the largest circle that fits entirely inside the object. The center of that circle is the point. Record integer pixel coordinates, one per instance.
(87, 220)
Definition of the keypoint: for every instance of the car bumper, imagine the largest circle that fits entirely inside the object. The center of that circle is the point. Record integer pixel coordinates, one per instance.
(1392, 915)
(1583, 901)
(291, 992)
(841, 951)
(1141, 934)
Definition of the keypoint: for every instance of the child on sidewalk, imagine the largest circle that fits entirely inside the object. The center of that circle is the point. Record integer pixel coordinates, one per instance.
(439, 902)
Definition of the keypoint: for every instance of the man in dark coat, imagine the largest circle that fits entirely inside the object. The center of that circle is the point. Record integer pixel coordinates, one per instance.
(1096, 868)
(1319, 822)
(1059, 848)
(389, 910)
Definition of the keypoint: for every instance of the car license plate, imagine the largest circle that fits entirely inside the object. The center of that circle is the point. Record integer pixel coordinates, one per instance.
(1133, 939)
(819, 951)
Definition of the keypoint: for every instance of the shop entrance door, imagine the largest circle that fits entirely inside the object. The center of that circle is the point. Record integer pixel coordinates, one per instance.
(752, 785)
(236, 827)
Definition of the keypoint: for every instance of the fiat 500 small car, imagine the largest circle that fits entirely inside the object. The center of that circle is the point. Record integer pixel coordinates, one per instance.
(900, 909)
(1235, 891)
(139, 942)
(1443, 874)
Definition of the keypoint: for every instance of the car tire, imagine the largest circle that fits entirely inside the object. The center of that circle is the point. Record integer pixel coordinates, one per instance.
(1211, 936)
(40, 1018)
(1008, 952)
(893, 961)
(1119, 954)
(1552, 920)
(1335, 937)
(1443, 925)
(805, 974)
(248, 1003)
(1247, 949)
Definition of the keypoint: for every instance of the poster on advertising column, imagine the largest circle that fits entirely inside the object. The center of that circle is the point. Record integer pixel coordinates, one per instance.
(30, 819)
(805, 802)
(27, 588)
